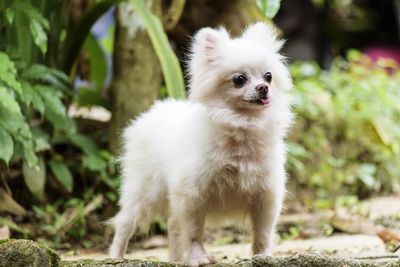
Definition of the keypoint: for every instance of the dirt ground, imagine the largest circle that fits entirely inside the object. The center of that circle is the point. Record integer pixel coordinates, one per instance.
(369, 229)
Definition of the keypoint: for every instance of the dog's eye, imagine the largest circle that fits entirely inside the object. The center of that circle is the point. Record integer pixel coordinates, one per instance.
(268, 76)
(239, 80)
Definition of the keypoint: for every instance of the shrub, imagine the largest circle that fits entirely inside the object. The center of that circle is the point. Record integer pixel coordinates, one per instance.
(347, 136)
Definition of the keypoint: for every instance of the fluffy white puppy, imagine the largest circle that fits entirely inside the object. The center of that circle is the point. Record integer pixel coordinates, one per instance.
(220, 154)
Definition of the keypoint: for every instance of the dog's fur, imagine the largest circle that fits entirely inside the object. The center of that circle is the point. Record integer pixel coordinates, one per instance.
(219, 154)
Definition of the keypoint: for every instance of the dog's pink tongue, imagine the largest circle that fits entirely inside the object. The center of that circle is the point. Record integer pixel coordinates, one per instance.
(265, 101)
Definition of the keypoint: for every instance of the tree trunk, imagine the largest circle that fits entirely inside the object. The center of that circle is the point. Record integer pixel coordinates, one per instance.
(137, 74)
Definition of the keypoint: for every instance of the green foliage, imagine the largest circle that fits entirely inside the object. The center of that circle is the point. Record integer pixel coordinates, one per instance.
(62, 174)
(33, 97)
(26, 96)
(169, 63)
(347, 137)
(35, 177)
(91, 96)
(20, 11)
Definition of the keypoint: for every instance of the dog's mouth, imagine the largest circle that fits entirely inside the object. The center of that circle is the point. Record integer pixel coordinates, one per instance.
(264, 100)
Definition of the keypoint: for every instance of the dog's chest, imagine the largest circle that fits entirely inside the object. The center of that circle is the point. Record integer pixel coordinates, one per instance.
(239, 151)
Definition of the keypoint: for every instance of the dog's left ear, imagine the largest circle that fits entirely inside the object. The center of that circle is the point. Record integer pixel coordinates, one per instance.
(265, 34)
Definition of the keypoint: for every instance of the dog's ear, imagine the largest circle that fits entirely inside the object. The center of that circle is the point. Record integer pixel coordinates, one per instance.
(209, 43)
(265, 34)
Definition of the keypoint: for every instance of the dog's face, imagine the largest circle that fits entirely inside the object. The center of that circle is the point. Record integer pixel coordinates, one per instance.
(244, 73)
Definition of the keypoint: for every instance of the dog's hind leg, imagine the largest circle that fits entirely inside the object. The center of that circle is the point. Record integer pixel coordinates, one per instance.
(140, 203)
(125, 224)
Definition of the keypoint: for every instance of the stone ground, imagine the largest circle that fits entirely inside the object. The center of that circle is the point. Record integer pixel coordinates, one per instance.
(342, 245)
(338, 245)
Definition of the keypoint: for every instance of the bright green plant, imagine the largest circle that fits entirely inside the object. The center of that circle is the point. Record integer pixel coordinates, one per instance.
(33, 97)
(171, 69)
(347, 136)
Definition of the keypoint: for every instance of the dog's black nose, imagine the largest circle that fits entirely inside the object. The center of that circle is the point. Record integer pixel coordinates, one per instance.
(262, 88)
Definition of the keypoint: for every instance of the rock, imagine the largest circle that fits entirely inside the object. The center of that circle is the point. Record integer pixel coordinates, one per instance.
(17, 253)
(317, 260)
(23, 253)
(298, 260)
(155, 242)
(383, 206)
(338, 245)
(341, 245)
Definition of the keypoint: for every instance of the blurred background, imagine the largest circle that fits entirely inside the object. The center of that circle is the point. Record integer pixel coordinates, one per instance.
(73, 73)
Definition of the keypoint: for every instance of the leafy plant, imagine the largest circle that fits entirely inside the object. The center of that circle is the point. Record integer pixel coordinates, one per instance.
(347, 137)
(33, 97)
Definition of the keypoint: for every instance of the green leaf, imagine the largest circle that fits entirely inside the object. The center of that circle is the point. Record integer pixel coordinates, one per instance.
(39, 35)
(8, 101)
(53, 77)
(35, 177)
(169, 63)
(87, 96)
(40, 139)
(37, 101)
(84, 143)
(94, 162)
(269, 7)
(13, 122)
(38, 24)
(97, 61)
(51, 99)
(10, 14)
(8, 73)
(77, 36)
(27, 92)
(62, 174)
(28, 150)
(6, 146)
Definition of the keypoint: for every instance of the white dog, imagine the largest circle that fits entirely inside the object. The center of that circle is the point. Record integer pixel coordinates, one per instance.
(219, 154)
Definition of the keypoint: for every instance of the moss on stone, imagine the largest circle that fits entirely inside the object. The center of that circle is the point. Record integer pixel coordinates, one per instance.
(116, 262)
(16, 253)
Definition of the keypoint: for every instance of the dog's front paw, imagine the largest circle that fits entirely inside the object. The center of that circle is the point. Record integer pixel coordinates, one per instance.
(200, 260)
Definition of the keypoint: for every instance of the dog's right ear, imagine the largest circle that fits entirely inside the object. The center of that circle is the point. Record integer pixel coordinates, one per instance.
(209, 43)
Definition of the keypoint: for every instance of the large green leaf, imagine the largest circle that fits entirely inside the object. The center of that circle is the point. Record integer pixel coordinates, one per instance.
(54, 77)
(29, 154)
(10, 14)
(169, 63)
(84, 143)
(37, 100)
(13, 122)
(35, 177)
(51, 99)
(39, 35)
(40, 139)
(62, 174)
(54, 109)
(8, 101)
(8, 73)
(27, 92)
(38, 24)
(77, 36)
(97, 61)
(6, 146)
